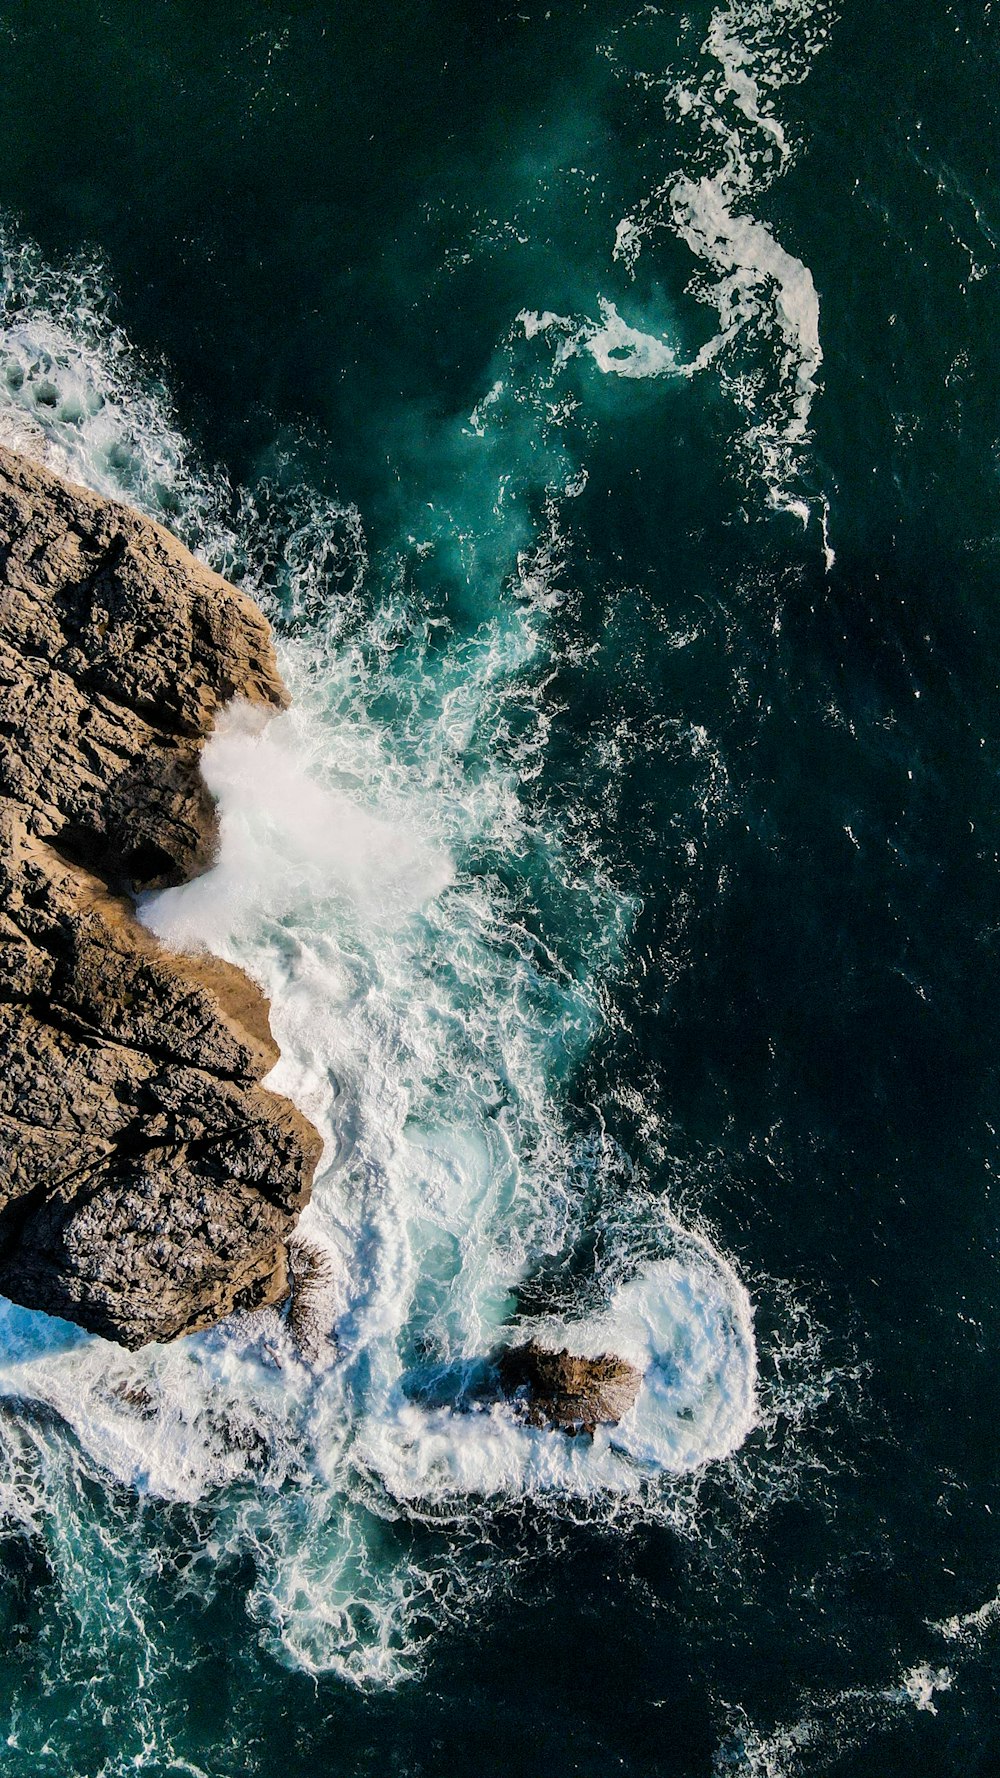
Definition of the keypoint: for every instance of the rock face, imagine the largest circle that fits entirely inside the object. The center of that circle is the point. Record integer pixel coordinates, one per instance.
(570, 1393)
(148, 1183)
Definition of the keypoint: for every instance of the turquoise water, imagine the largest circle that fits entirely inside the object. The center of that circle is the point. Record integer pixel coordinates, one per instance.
(602, 406)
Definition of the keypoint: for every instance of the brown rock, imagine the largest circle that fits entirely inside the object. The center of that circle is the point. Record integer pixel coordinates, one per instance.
(148, 1183)
(570, 1393)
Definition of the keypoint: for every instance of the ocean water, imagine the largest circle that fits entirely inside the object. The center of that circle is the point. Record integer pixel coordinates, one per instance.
(601, 403)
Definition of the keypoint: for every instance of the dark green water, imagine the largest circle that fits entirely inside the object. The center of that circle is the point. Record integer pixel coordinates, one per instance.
(742, 921)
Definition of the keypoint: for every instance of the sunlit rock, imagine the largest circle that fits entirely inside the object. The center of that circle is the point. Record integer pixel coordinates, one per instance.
(562, 1390)
(148, 1183)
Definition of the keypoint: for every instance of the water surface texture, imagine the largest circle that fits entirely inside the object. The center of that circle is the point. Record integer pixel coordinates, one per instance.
(603, 406)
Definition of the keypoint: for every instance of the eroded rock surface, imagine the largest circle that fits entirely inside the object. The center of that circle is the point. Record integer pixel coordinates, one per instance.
(562, 1390)
(148, 1183)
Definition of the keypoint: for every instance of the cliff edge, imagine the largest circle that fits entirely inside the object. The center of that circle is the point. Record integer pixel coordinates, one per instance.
(148, 1183)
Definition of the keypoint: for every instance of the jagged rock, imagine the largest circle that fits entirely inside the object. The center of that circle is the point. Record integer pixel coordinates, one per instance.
(311, 1276)
(148, 1183)
(561, 1390)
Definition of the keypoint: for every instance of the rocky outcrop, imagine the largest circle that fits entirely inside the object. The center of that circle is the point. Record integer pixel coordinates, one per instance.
(571, 1393)
(148, 1183)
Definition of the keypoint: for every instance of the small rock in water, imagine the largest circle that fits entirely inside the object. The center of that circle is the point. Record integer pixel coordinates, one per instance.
(570, 1393)
(311, 1275)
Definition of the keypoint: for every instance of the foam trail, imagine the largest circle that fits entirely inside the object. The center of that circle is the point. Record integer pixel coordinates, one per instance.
(835, 1724)
(831, 1727)
(971, 1627)
(624, 351)
(767, 347)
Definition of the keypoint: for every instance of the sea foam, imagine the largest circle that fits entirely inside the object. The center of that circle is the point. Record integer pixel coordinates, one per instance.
(766, 349)
(381, 871)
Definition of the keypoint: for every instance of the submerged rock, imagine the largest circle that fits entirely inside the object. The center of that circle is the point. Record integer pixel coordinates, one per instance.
(570, 1393)
(148, 1183)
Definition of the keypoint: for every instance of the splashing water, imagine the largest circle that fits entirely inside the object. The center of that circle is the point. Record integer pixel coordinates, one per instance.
(435, 952)
(377, 873)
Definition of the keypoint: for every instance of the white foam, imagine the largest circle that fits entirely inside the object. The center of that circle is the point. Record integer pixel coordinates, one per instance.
(767, 348)
(970, 1627)
(74, 395)
(761, 285)
(286, 838)
(379, 874)
(624, 351)
(685, 1322)
(834, 1724)
(922, 1682)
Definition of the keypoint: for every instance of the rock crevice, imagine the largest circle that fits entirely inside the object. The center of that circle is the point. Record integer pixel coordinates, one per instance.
(148, 1183)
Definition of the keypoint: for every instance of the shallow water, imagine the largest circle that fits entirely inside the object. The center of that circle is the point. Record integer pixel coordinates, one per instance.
(603, 413)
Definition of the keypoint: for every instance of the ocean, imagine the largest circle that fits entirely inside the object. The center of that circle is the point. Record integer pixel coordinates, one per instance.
(601, 402)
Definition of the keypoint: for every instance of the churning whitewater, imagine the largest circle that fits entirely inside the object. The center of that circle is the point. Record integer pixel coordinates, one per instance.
(427, 1033)
(381, 865)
